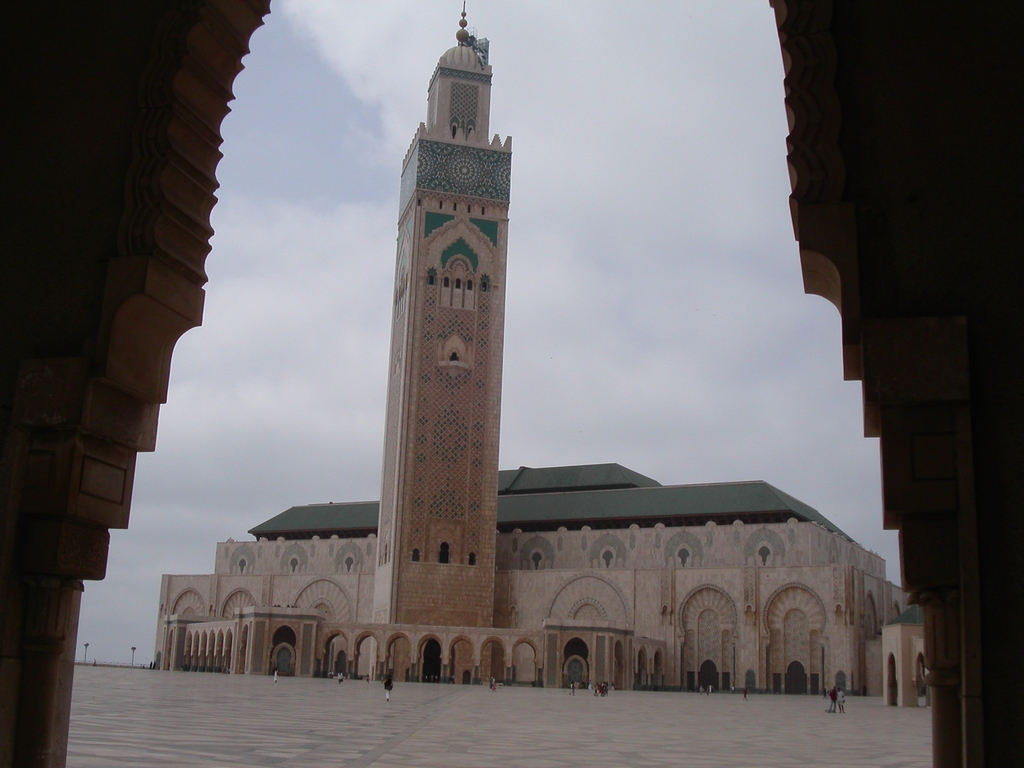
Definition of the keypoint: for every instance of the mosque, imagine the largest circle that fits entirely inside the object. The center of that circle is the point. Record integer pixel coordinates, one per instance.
(532, 576)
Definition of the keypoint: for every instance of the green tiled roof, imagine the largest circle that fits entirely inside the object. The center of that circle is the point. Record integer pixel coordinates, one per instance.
(318, 519)
(584, 477)
(598, 495)
(913, 615)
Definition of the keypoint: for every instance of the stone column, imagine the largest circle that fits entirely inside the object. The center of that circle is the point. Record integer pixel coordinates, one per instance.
(48, 657)
(942, 658)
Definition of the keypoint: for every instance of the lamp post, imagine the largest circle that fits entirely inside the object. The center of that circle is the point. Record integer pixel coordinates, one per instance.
(133, 655)
(86, 657)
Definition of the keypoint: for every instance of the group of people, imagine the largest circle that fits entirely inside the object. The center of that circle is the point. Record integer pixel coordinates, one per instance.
(599, 689)
(838, 698)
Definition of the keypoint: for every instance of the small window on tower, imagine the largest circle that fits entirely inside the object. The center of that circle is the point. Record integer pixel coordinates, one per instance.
(455, 206)
(484, 286)
(469, 285)
(415, 555)
(444, 555)
(431, 279)
(472, 558)
(446, 282)
(458, 282)
(454, 357)
(483, 211)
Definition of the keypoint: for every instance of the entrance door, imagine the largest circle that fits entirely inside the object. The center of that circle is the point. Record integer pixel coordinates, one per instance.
(284, 660)
(796, 678)
(575, 671)
(708, 675)
(431, 661)
(340, 663)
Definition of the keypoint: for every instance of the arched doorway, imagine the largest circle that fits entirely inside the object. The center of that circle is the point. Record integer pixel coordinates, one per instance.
(461, 662)
(575, 669)
(707, 677)
(894, 684)
(796, 678)
(524, 663)
(641, 669)
(397, 661)
(282, 657)
(492, 661)
(340, 663)
(431, 664)
(365, 657)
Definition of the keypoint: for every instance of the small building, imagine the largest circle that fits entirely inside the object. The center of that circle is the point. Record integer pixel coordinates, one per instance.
(903, 670)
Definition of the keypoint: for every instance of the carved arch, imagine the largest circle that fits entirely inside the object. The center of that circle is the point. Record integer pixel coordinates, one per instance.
(677, 541)
(705, 597)
(348, 550)
(769, 537)
(593, 586)
(794, 595)
(243, 552)
(327, 597)
(239, 599)
(587, 602)
(189, 603)
(603, 542)
(536, 544)
(297, 552)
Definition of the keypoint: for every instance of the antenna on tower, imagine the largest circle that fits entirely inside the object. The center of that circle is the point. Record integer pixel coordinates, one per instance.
(480, 45)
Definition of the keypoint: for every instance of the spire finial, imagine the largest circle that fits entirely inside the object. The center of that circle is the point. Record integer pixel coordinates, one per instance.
(462, 35)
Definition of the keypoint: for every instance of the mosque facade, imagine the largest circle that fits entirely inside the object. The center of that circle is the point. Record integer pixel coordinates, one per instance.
(533, 576)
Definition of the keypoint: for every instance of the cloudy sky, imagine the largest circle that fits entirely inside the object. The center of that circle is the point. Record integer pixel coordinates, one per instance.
(655, 309)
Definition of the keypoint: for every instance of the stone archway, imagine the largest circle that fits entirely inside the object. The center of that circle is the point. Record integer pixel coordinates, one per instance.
(707, 676)
(796, 678)
(430, 664)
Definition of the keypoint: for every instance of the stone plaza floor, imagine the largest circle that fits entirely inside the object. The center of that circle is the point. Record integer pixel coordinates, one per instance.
(139, 718)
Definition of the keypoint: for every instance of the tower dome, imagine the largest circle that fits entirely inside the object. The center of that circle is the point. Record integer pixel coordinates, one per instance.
(461, 57)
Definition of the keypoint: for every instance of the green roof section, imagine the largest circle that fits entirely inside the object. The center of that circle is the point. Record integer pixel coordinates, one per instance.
(322, 518)
(598, 495)
(913, 615)
(583, 477)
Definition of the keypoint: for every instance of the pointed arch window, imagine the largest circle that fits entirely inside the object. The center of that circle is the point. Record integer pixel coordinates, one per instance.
(444, 554)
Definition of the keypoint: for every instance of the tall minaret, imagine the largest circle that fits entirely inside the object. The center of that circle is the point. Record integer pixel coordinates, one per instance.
(439, 486)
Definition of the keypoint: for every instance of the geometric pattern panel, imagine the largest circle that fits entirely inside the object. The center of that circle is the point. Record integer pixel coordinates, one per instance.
(709, 637)
(462, 170)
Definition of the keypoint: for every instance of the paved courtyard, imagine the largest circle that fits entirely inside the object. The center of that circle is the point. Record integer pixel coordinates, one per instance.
(126, 717)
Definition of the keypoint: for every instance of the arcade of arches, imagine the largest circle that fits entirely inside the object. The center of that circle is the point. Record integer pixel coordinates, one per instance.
(905, 201)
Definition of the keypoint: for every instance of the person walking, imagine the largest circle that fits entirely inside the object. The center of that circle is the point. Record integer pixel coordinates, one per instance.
(275, 675)
(388, 685)
(572, 688)
(841, 700)
(833, 696)
(744, 694)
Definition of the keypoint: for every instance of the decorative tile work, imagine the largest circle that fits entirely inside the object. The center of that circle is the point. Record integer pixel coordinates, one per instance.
(462, 170)
(463, 107)
(459, 248)
(433, 220)
(489, 228)
(461, 74)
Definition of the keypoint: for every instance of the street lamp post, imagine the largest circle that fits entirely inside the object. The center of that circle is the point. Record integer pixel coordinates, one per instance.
(133, 655)
(86, 658)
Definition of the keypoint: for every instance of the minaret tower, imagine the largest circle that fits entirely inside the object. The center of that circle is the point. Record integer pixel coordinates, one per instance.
(439, 485)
